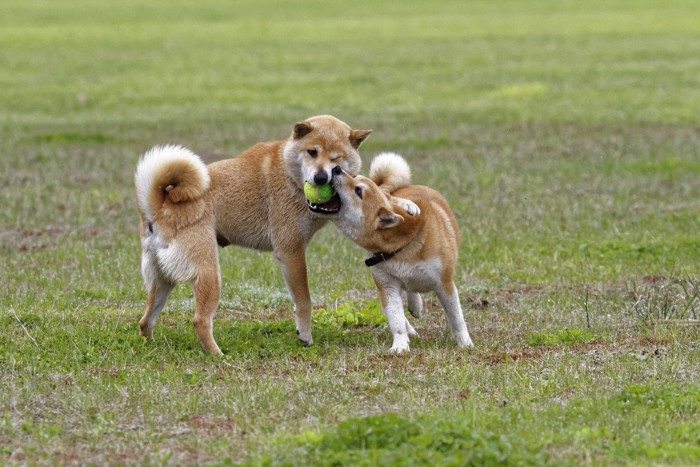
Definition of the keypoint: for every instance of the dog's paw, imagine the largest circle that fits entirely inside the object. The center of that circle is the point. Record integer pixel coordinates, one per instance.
(399, 350)
(407, 205)
(146, 330)
(400, 344)
(464, 341)
(409, 329)
(305, 339)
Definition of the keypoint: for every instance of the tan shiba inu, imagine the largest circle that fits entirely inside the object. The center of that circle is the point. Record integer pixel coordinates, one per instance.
(255, 200)
(409, 253)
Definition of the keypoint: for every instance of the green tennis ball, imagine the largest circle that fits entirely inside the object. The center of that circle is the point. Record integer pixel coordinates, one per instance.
(318, 194)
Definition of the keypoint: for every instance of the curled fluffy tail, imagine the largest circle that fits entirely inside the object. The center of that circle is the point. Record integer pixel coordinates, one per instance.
(390, 171)
(169, 172)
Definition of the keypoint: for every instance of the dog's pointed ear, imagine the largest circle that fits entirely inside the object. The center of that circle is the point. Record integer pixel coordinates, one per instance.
(357, 137)
(388, 219)
(301, 129)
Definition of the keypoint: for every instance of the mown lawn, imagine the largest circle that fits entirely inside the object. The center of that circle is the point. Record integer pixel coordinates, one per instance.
(565, 135)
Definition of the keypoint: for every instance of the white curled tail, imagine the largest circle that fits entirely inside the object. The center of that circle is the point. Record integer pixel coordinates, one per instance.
(390, 171)
(172, 172)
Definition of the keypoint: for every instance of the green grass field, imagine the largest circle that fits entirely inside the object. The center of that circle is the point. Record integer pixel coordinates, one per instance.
(565, 135)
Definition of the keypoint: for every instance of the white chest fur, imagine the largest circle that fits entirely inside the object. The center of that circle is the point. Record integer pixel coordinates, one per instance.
(421, 276)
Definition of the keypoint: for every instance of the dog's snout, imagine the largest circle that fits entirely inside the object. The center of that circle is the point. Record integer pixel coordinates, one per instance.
(337, 170)
(320, 178)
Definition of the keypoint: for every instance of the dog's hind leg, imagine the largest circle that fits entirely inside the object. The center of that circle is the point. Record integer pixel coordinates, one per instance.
(415, 303)
(157, 286)
(449, 298)
(207, 292)
(158, 293)
(295, 276)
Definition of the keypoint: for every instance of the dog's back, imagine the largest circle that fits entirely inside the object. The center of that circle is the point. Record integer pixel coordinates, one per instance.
(254, 200)
(438, 219)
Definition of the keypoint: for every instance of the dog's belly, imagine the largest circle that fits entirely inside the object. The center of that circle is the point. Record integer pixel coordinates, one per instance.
(248, 240)
(265, 237)
(422, 276)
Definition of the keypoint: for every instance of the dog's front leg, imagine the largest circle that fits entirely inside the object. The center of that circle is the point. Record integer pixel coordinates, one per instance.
(407, 205)
(294, 271)
(392, 305)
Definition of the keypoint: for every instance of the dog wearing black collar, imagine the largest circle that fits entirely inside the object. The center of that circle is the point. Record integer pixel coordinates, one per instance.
(410, 250)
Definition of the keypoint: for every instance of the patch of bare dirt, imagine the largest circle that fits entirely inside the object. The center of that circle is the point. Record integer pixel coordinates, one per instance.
(637, 345)
(25, 240)
(214, 426)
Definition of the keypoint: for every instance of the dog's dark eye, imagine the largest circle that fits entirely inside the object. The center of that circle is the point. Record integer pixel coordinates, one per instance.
(358, 191)
(312, 152)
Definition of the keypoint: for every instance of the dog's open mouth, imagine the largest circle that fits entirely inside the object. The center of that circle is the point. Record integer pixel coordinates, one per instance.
(329, 207)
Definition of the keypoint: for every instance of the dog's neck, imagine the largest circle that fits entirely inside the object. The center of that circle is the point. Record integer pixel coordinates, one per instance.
(380, 258)
(407, 237)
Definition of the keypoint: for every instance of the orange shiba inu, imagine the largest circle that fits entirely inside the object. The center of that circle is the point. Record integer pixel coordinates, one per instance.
(255, 200)
(409, 253)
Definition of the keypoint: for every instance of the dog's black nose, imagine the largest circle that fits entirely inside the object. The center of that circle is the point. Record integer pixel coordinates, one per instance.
(320, 178)
(337, 170)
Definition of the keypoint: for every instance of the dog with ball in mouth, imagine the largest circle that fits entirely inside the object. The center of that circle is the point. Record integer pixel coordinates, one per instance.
(318, 196)
(256, 200)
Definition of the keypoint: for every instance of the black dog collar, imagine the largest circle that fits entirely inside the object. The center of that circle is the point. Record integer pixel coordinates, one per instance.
(379, 258)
